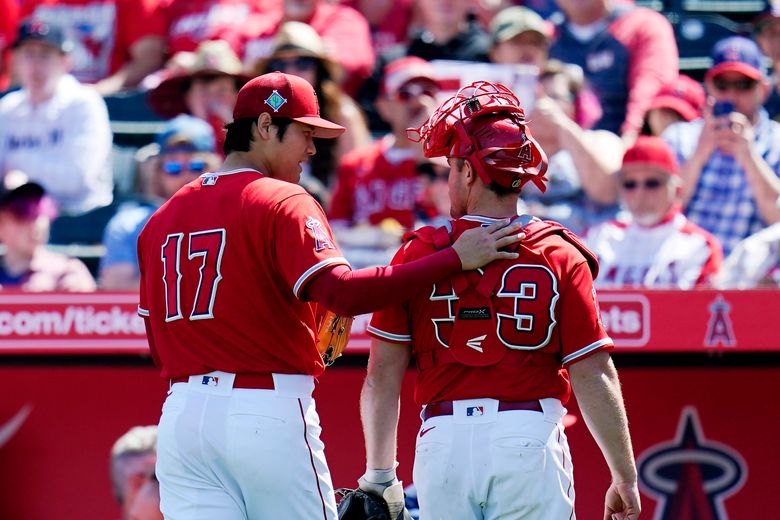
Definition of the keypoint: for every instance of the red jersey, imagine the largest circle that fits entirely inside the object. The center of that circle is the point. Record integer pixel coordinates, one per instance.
(223, 264)
(546, 318)
(102, 30)
(190, 22)
(370, 188)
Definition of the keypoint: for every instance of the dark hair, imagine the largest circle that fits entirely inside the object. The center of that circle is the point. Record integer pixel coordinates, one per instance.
(238, 136)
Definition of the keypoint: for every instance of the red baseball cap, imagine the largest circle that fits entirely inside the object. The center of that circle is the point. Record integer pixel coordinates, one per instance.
(399, 72)
(685, 96)
(652, 151)
(284, 95)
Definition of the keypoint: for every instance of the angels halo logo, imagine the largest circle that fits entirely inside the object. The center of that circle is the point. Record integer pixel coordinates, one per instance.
(691, 476)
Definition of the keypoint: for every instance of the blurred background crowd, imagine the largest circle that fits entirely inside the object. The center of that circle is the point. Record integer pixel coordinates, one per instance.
(658, 118)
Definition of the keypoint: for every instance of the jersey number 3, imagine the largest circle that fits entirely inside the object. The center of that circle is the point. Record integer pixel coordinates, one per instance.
(208, 246)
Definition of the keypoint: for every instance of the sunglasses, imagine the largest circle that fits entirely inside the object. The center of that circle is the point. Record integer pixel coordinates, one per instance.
(177, 167)
(649, 184)
(299, 63)
(741, 85)
(414, 90)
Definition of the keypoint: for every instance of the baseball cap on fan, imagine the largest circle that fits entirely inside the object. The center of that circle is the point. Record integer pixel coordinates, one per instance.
(399, 72)
(651, 151)
(736, 54)
(284, 95)
(43, 32)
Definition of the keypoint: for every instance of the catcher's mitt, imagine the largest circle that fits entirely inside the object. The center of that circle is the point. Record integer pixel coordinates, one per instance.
(333, 336)
(356, 504)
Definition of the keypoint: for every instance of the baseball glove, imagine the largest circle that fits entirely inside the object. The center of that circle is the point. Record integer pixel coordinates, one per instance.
(356, 504)
(333, 336)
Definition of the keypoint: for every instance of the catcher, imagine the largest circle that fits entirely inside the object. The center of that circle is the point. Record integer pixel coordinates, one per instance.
(496, 348)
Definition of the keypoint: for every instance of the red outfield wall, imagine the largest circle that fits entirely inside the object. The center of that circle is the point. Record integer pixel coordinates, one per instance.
(702, 431)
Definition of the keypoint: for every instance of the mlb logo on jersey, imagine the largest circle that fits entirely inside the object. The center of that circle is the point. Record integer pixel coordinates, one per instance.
(210, 381)
(209, 180)
(475, 411)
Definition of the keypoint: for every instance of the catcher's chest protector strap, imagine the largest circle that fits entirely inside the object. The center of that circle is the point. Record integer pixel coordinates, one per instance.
(537, 230)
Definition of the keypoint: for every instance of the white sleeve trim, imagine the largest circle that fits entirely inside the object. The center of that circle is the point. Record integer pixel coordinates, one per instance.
(314, 270)
(406, 338)
(143, 312)
(587, 350)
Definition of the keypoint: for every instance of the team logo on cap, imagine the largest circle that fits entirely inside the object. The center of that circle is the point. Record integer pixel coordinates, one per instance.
(275, 101)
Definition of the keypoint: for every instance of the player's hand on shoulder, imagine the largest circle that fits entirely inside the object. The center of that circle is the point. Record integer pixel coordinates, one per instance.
(481, 245)
(622, 501)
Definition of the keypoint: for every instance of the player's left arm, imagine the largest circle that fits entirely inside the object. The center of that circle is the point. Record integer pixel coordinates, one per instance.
(597, 388)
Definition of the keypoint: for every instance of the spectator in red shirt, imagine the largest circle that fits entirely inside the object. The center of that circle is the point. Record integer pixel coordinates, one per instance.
(378, 187)
(389, 20)
(345, 32)
(117, 42)
(8, 26)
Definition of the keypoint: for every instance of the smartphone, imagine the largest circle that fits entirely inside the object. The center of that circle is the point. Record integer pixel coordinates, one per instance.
(722, 108)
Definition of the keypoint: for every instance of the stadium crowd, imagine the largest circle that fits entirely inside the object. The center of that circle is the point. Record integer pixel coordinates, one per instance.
(671, 175)
(593, 76)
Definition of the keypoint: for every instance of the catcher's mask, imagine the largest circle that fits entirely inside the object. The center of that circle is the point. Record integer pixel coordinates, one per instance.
(484, 123)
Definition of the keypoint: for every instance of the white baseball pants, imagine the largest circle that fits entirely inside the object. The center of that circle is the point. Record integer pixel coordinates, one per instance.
(482, 464)
(234, 454)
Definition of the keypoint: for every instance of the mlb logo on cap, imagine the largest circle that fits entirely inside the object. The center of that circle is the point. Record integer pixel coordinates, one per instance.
(284, 95)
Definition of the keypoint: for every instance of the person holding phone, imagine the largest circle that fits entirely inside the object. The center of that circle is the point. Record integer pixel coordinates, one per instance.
(730, 158)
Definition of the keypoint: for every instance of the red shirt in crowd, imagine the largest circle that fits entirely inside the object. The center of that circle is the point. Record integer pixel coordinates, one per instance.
(102, 30)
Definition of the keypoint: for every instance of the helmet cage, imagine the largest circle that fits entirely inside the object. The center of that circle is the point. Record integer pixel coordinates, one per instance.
(454, 131)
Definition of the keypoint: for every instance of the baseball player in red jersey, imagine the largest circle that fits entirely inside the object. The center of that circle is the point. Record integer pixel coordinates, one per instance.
(231, 267)
(496, 348)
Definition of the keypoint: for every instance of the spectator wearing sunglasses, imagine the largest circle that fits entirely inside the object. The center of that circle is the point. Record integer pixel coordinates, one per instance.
(186, 150)
(730, 158)
(653, 245)
(379, 189)
(300, 51)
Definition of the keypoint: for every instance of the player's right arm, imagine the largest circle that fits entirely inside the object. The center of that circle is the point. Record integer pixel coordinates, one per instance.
(348, 293)
(596, 385)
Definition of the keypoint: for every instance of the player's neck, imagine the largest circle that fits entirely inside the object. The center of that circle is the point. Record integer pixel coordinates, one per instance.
(491, 205)
(240, 160)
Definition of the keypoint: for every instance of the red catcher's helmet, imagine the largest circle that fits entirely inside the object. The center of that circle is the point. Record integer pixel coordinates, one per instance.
(485, 124)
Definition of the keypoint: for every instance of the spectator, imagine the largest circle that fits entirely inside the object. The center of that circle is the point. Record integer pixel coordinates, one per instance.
(8, 25)
(378, 187)
(628, 54)
(343, 30)
(767, 33)
(25, 216)
(683, 100)
(389, 21)
(582, 189)
(116, 42)
(299, 50)
(188, 23)
(206, 87)
(754, 262)
(520, 36)
(730, 162)
(55, 129)
(186, 150)
(655, 246)
(133, 457)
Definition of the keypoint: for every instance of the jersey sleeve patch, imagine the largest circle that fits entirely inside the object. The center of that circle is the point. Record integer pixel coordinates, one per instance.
(321, 237)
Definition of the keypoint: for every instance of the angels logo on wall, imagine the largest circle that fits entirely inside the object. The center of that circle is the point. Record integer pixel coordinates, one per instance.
(691, 476)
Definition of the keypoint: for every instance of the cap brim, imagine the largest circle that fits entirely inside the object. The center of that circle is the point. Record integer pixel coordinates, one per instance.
(734, 66)
(680, 106)
(322, 127)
